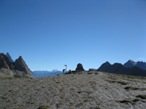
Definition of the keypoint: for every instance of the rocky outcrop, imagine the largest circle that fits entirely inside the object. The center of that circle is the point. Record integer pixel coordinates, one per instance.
(4, 62)
(79, 67)
(9, 68)
(20, 65)
(6, 73)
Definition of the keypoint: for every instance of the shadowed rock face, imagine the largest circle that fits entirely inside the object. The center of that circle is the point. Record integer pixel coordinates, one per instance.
(9, 57)
(18, 67)
(4, 62)
(79, 67)
(104, 66)
(21, 65)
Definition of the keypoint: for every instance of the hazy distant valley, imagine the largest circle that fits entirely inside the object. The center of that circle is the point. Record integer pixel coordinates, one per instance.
(39, 74)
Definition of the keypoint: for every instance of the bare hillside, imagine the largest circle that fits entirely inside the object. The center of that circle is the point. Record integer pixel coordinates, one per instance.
(74, 91)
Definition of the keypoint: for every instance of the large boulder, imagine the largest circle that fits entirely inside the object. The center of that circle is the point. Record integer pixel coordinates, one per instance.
(79, 67)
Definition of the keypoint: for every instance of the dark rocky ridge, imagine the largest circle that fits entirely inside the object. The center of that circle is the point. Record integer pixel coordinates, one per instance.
(9, 68)
(120, 69)
(131, 63)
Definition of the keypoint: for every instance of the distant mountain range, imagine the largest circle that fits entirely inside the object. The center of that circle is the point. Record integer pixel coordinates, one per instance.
(130, 68)
(18, 68)
(131, 63)
(40, 74)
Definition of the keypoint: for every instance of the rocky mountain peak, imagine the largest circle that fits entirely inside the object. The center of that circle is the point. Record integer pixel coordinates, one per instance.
(106, 63)
(20, 58)
(131, 63)
(4, 62)
(104, 66)
(19, 67)
(9, 57)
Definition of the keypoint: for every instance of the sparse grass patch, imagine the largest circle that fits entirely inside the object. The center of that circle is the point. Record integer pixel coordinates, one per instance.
(133, 77)
(86, 100)
(71, 108)
(94, 107)
(135, 100)
(44, 107)
(31, 102)
(58, 105)
(57, 82)
(7, 78)
(3, 97)
(85, 91)
(141, 96)
(10, 90)
(142, 89)
(79, 92)
(134, 88)
(92, 82)
(131, 88)
(89, 72)
(97, 108)
(96, 73)
(120, 82)
(125, 101)
(18, 108)
(110, 81)
(129, 101)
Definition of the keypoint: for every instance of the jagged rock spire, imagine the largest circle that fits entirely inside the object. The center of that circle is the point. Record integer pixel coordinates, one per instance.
(21, 65)
(9, 57)
(4, 62)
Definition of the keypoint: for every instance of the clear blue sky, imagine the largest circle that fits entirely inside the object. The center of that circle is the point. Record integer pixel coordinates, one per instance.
(51, 33)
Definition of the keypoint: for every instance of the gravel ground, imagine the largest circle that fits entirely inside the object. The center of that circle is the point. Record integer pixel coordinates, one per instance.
(94, 90)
